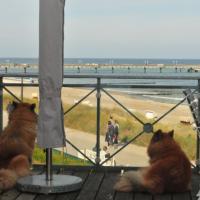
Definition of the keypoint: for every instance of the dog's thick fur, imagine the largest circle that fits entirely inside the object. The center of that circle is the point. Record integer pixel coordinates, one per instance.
(17, 143)
(169, 170)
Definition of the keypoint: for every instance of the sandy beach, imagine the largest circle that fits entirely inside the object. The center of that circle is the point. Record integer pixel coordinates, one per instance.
(143, 106)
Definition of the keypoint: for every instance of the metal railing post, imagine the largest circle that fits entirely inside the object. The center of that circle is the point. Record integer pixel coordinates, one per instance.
(22, 89)
(198, 132)
(49, 164)
(98, 96)
(22, 85)
(1, 104)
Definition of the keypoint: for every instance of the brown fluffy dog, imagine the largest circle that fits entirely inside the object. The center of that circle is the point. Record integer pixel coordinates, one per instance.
(17, 143)
(169, 170)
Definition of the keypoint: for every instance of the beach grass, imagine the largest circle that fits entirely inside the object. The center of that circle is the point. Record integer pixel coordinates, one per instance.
(58, 157)
(83, 118)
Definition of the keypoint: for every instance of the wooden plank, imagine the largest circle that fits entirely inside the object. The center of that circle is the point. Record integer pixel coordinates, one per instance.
(143, 196)
(91, 186)
(26, 196)
(76, 168)
(106, 189)
(46, 197)
(162, 197)
(195, 185)
(14, 193)
(181, 196)
(73, 195)
(30, 196)
(124, 196)
(10, 194)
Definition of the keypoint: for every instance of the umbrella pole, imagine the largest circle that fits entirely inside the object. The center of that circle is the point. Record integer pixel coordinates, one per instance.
(49, 173)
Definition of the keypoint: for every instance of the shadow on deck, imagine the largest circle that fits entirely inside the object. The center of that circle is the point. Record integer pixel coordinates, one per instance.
(98, 185)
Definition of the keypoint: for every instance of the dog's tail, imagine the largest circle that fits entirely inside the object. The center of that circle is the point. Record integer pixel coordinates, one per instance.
(8, 179)
(18, 167)
(130, 181)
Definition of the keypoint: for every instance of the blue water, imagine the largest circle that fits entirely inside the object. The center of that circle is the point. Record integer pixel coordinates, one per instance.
(106, 61)
(154, 94)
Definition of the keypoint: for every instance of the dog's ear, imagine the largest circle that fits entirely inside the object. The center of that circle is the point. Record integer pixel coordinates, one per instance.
(12, 106)
(15, 104)
(158, 135)
(171, 133)
(32, 107)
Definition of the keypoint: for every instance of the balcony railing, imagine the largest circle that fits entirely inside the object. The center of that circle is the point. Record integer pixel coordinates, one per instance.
(99, 84)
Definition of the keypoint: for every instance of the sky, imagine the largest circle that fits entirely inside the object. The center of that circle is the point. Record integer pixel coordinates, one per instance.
(107, 28)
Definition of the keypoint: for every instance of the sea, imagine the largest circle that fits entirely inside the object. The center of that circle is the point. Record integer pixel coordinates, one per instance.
(107, 61)
(128, 66)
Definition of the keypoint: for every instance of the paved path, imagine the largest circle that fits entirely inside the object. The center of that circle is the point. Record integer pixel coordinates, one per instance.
(132, 155)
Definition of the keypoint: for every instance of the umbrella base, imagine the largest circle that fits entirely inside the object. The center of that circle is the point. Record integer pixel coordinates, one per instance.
(39, 184)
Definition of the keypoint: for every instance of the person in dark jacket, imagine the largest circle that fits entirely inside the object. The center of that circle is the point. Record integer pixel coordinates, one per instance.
(116, 132)
(110, 133)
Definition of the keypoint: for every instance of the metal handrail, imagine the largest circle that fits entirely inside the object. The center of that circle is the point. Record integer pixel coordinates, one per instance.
(110, 76)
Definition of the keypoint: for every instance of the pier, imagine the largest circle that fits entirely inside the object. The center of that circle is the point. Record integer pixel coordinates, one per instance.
(112, 68)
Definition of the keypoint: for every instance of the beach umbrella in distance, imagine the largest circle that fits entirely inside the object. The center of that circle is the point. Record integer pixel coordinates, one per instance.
(50, 123)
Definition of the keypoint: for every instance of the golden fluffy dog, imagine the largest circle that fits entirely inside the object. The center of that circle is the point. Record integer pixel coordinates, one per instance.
(17, 143)
(169, 170)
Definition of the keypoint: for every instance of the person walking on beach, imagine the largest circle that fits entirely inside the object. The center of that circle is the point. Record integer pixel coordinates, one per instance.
(111, 120)
(109, 133)
(116, 132)
(105, 150)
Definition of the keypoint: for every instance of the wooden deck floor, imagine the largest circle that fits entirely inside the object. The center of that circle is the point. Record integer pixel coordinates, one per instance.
(98, 185)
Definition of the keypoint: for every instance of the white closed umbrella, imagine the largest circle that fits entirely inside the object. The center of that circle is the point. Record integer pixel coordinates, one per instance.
(50, 123)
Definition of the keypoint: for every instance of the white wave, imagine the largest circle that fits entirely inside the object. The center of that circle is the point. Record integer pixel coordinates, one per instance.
(133, 92)
(161, 97)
